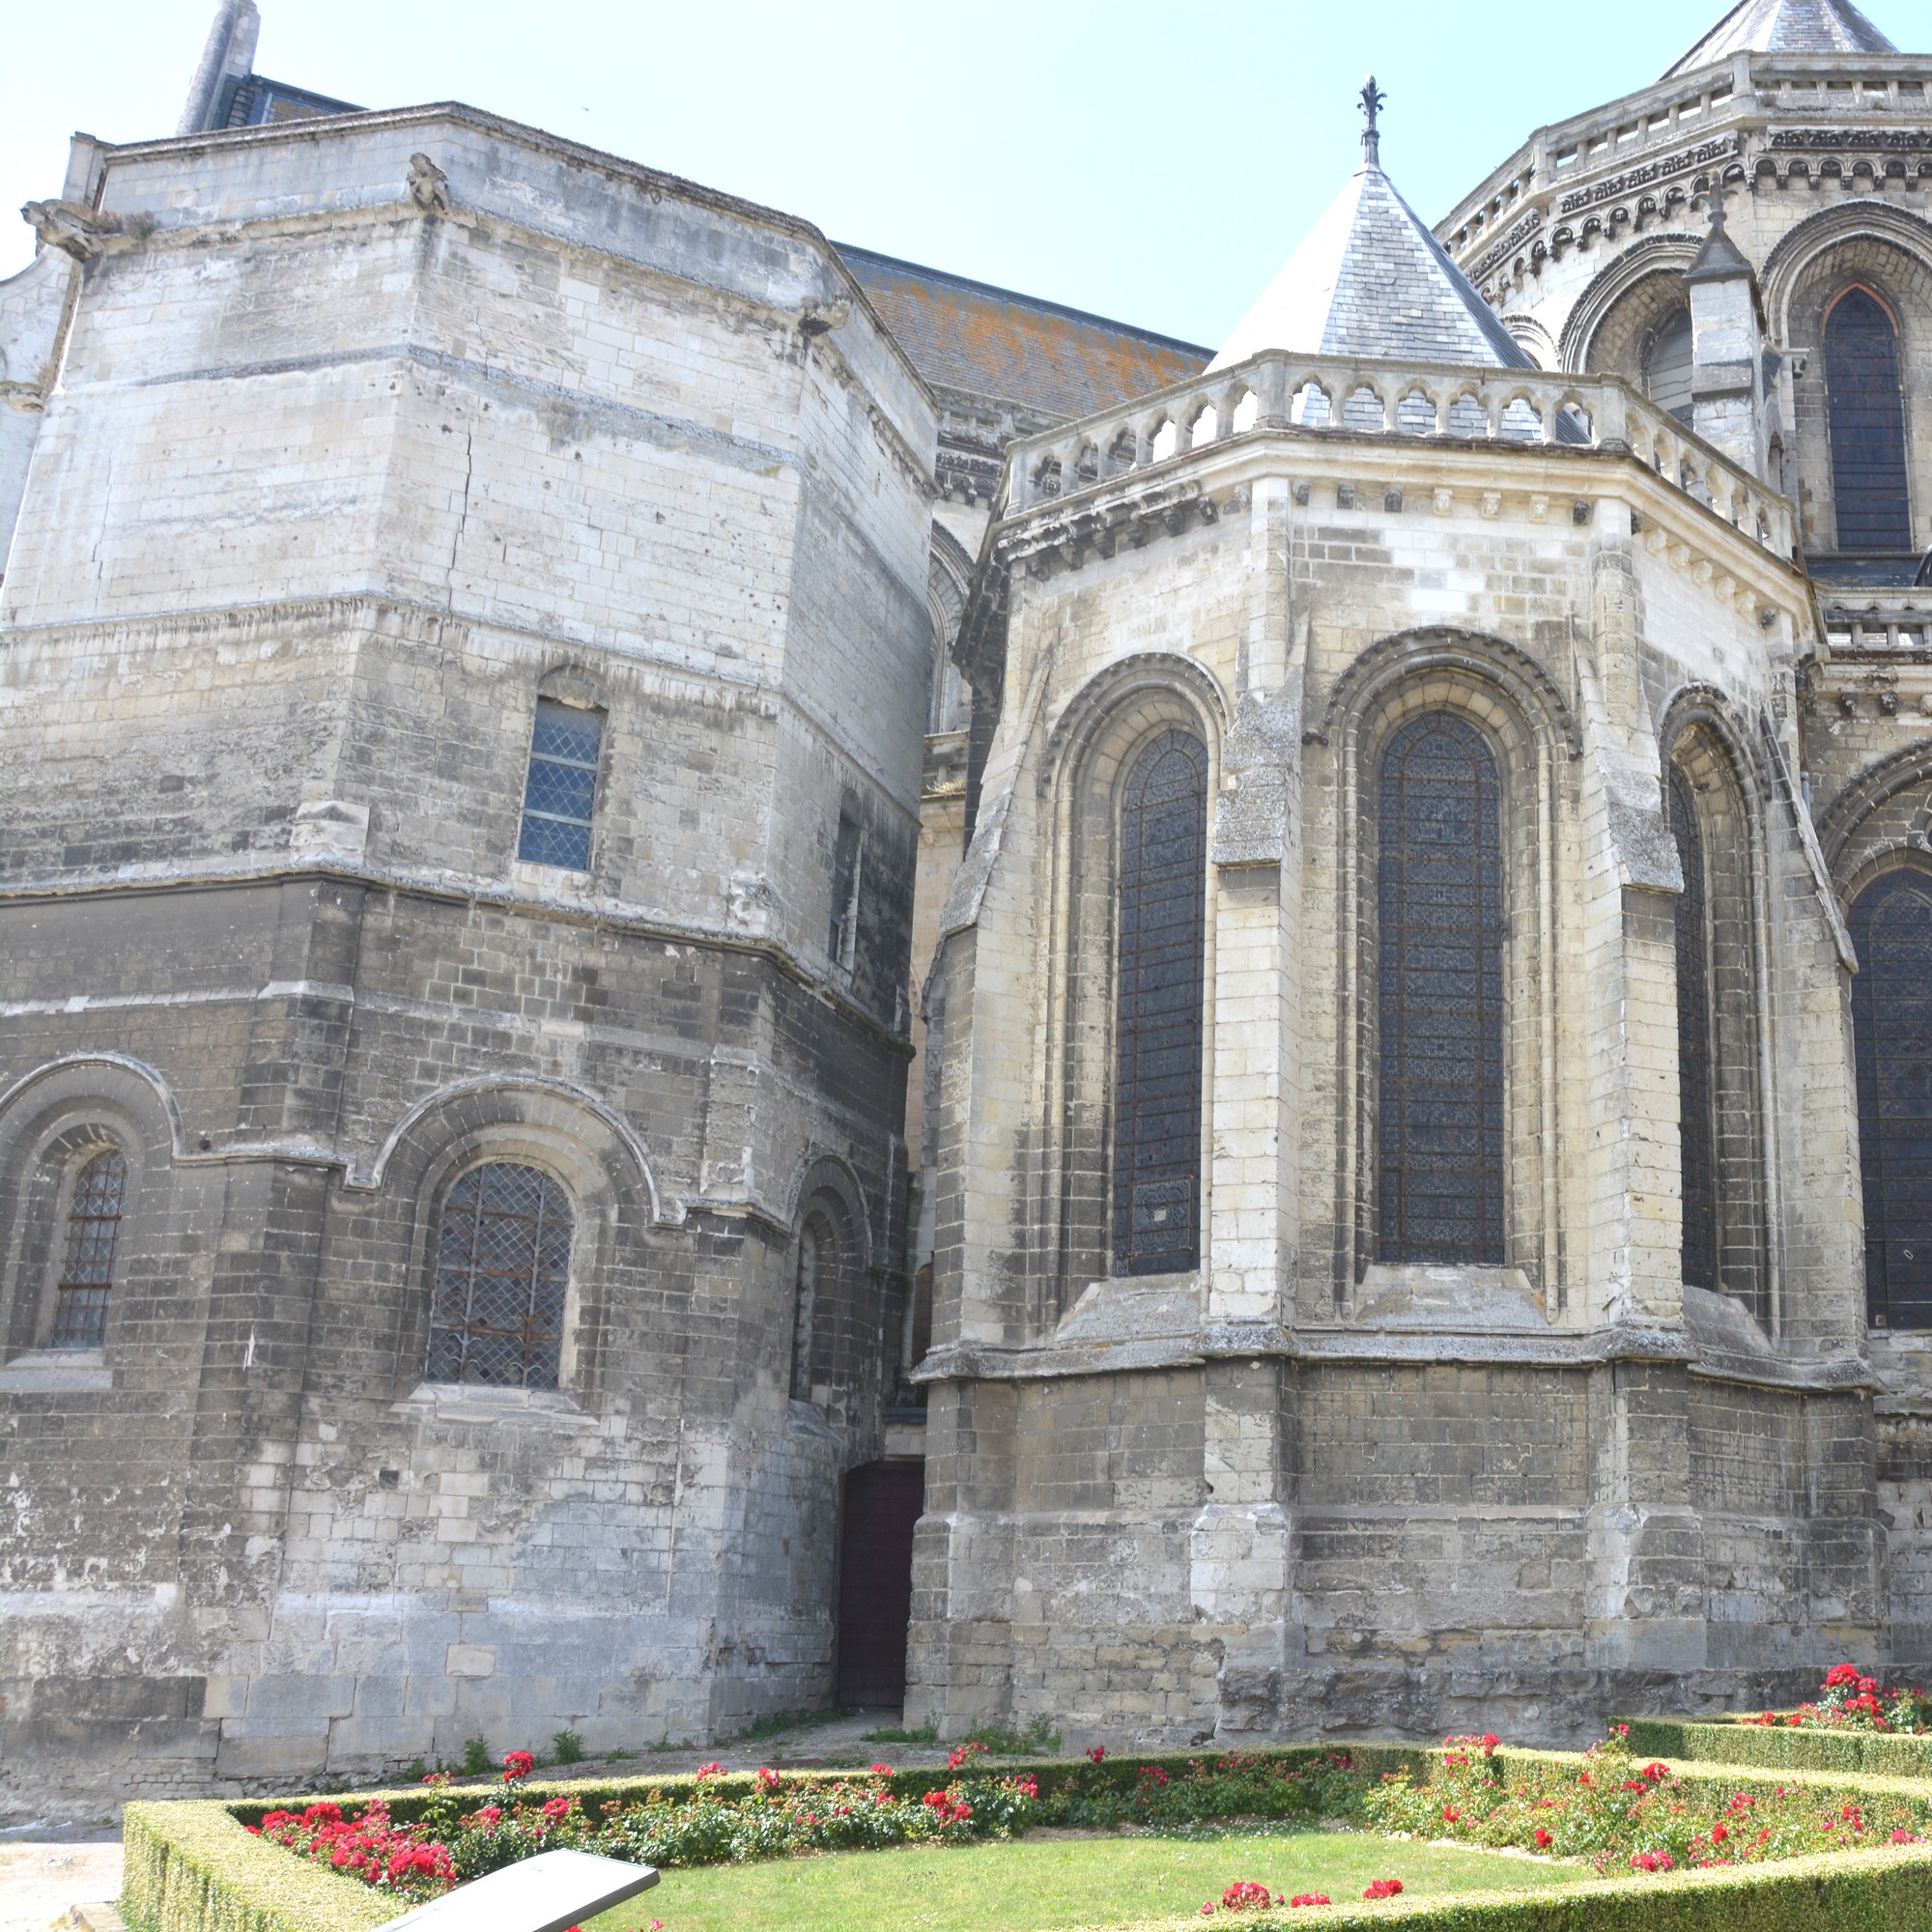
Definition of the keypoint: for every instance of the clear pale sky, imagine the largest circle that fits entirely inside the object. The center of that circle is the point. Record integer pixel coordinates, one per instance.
(1154, 162)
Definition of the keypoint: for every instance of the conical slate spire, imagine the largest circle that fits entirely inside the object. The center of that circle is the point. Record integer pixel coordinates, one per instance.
(1372, 280)
(1786, 27)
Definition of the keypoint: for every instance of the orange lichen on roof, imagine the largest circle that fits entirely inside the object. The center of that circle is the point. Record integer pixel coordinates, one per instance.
(1013, 349)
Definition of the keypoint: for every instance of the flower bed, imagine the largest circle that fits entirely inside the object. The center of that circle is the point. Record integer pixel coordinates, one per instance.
(1659, 1833)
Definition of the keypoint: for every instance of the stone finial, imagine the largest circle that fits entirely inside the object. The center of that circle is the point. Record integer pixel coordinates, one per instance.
(1373, 100)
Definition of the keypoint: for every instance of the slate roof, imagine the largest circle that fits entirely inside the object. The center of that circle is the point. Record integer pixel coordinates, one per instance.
(1372, 280)
(1009, 348)
(1786, 27)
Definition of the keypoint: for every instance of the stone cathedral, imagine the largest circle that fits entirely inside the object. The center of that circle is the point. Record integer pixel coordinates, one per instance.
(735, 975)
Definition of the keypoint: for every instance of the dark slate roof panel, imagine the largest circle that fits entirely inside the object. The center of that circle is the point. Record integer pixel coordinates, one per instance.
(1372, 280)
(1786, 27)
(1011, 347)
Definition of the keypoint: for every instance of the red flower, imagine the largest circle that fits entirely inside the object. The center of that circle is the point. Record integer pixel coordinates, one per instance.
(1383, 1888)
(557, 1807)
(1718, 1833)
(1656, 1772)
(768, 1780)
(878, 1770)
(1544, 1840)
(718, 1769)
(1901, 1837)
(1096, 1753)
(1311, 1898)
(518, 1766)
(1244, 1896)
(1652, 1861)
(1840, 1674)
(1450, 1815)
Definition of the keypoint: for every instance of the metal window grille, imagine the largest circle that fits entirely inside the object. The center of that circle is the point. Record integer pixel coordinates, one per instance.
(1439, 964)
(1163, 877)
(1891, 1031)
(502, 1268)
(1697, 1126)
(1868, 426)
(87, 1269)
(561, 787)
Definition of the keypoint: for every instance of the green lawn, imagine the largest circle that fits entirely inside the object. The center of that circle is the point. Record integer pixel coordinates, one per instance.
(1046, 1881)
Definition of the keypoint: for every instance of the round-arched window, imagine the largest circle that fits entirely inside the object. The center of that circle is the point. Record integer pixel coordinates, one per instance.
(502, 1268)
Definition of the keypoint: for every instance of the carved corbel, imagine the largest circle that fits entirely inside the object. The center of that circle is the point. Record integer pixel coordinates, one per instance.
(73, 229)
(429, 185)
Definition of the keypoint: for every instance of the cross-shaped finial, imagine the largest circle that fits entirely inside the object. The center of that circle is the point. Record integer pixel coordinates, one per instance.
(1372, 99)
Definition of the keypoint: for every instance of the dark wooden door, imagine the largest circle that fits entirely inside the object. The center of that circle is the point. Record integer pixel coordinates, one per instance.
(883, 1501)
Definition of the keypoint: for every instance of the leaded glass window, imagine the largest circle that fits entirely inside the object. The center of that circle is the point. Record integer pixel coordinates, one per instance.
(1670, 366)
(1440, 992)
(87, 1264)
(561, 786)
(501, 1271)
(1867, 425)
(1163, 861)
(1696, 1133)
(805, 1313)
(1891, 1023)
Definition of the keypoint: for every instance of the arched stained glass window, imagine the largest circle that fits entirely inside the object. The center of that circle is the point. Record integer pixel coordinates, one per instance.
(1867, 425)
(502, 1268)
(1891, 1023)
(87, 1264)
(1163, 860)
(1696, 1133)
(1440, 912)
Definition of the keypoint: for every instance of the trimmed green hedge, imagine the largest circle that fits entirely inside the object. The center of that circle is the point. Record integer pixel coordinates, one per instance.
(1778, 1748)
(193, 1867)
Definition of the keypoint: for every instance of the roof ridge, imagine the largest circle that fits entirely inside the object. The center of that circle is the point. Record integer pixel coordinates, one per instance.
(1041, 302)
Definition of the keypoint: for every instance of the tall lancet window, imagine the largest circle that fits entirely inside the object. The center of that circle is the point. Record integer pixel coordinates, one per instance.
(1696, 1131)
(1892, 1024)
(1163, 861)
(1439, 963)
(1867, 425)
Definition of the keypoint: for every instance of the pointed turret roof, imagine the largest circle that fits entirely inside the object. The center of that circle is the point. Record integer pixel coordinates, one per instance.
(1786, 27)
(1372, 280)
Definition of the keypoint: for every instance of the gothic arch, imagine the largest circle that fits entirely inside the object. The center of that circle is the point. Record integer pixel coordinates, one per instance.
(1474, 654)
(1710, 776)
(1861, 801)
(1660, 256)
(1789, 264)
(831, 1174)
(1087, 769)
(574, 1110)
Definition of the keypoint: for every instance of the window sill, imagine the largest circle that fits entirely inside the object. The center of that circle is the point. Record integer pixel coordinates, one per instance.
(36, 1369)
(548, 878)
(1448, 1296)
(474, 1402)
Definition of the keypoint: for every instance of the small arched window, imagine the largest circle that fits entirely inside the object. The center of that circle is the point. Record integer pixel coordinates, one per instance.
(1696, 1133)
(501, 1272)
(1869, 483)
(1163, 878)
(87, 1264)
(1891, 1027)
(1440, 996)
